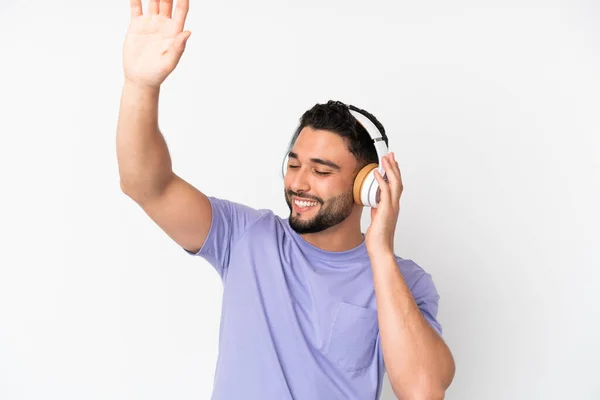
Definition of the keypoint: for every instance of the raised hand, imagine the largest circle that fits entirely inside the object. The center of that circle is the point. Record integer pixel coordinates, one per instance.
(154, 42)
(380, 234)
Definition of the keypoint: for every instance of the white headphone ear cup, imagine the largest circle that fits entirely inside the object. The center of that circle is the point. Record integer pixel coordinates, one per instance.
(363, 181)
(369, 190)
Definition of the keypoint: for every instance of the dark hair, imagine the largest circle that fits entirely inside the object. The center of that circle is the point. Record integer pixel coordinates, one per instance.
(335, 116)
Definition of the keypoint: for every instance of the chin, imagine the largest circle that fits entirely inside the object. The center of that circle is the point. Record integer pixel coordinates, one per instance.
(303, 230)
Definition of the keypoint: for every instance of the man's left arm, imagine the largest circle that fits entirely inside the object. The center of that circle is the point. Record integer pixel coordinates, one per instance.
(418, 361)
(420, 365)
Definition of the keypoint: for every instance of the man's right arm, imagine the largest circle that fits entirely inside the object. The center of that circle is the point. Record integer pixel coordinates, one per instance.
(146, 175)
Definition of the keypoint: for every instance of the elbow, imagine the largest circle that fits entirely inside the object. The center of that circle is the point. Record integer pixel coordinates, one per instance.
(135, 193)
(424, 390)
(421, 394)
(141, 191)
(123, 186)
(432, 393)
(426, 382)
(127, 189)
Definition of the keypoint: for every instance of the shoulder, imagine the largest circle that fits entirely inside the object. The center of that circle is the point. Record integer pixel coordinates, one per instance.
(252, 217)
(423, 290)
(419, 281)
(237, 210)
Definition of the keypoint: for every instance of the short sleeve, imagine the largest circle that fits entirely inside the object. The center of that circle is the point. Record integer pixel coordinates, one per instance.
(427, 299)
(229, 222)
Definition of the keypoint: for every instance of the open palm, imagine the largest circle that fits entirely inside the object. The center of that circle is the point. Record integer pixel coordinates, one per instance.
(155, 41)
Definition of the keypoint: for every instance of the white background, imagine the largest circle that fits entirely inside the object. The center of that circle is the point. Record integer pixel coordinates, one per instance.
(493, 110)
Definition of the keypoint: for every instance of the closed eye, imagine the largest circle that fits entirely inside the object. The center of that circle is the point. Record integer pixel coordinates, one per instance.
(320, 173)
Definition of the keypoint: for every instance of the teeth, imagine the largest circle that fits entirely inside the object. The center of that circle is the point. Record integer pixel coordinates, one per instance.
(301, 203)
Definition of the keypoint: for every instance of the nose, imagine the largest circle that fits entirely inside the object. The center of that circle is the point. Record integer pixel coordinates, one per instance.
(299, 180)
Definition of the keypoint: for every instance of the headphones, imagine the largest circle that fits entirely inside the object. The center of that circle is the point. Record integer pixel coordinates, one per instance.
(365, 188)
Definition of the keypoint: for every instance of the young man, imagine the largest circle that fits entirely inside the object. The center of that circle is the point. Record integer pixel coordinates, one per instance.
(312, 308)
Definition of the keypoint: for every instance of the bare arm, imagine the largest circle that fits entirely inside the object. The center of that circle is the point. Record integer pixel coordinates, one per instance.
(142, 153)
(152, 49)
(418, 361)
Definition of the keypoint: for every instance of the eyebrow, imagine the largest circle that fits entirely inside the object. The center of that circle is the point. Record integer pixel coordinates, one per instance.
(317, 161)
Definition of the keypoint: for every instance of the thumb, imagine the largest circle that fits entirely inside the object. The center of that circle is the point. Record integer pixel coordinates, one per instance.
(181, 40)
(179, 43)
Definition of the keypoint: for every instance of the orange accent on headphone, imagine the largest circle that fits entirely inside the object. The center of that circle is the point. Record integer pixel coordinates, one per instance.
(360, 180)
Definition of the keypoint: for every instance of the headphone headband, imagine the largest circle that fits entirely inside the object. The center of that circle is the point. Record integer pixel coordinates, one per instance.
(367, 124)
(378, 141)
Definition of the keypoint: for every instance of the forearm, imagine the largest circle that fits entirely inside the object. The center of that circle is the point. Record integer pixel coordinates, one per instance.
(142, 153)
(418, 362)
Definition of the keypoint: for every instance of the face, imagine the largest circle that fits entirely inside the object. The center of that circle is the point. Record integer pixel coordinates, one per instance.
(318, 181)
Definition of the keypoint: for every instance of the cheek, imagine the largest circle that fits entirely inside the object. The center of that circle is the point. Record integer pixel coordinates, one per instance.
(341, 185)
(330, 189)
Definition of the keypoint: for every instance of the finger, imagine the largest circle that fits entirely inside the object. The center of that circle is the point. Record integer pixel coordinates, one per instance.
(389, 165)
(395, 162)
(178, 46)
(153, 7)
(397, 168)
(135, 8)
(389, 172)
(395, 179)
(166, 8)
(384, 188)
(181, 11)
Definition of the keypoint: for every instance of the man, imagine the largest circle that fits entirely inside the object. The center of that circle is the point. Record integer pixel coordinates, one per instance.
(312, 308)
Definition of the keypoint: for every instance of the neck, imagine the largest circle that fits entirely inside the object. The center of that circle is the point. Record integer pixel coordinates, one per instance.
(344, 236)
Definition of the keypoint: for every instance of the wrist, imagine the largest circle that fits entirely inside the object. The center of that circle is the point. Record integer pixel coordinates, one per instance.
(381, 254)
(140, 88)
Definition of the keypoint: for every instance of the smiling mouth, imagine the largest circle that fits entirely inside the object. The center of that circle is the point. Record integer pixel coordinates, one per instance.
(304, 204)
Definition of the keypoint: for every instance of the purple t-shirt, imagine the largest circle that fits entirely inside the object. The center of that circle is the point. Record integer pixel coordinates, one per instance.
(297, 322)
